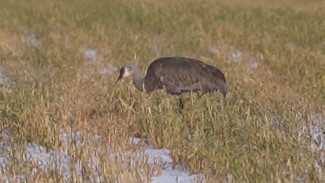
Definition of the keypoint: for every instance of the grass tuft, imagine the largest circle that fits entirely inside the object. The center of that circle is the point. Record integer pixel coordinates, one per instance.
(56, 79)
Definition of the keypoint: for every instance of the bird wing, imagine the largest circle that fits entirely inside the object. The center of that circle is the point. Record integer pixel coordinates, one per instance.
(177, 75)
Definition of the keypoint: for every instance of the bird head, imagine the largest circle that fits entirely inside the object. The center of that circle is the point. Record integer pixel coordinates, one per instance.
(124, 72)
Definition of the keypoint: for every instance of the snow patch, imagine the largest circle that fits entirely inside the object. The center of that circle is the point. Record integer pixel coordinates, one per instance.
(47, 159)
(315, 129)
(235, 54)
(168, 173)
(213, 49)
(33, 40)
(253, 64)
(89, 53)
(5, 81)
(2, 77)
(107, 68)
(96, 65)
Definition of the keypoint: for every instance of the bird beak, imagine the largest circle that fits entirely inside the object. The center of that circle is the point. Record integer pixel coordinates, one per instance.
(119, 78)
(122, 71)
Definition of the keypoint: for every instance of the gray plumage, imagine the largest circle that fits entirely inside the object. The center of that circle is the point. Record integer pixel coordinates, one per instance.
(176, 75)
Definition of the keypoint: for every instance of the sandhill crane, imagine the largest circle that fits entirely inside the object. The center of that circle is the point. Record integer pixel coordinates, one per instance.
(176, 75)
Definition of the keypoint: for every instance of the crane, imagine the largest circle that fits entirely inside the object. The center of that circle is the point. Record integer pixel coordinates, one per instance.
(176, 75)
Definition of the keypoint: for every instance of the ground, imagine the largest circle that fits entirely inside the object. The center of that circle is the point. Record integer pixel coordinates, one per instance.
(59, 61)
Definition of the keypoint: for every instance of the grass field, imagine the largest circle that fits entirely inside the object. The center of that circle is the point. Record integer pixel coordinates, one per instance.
(56, 61)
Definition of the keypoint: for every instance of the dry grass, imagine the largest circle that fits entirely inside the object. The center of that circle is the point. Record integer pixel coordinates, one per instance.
(273, 59)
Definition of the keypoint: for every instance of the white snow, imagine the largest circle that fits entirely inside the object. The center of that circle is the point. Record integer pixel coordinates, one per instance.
(59, 161)
(32, 39)
(314, 128)
(96, 56)
(89, 53)
(5, 80)
(235, 54)
(213, 49)
(168, 173)
(253, 64)
(107, 68)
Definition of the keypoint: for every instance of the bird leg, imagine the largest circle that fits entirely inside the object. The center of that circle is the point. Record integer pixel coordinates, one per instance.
(181, 104)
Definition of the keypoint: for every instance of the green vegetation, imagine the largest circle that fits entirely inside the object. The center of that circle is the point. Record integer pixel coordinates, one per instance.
(271, 53)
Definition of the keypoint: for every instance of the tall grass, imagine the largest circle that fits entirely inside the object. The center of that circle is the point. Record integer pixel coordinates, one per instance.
(255, 134)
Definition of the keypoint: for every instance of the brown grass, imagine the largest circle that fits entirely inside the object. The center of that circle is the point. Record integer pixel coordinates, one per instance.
(259, 133)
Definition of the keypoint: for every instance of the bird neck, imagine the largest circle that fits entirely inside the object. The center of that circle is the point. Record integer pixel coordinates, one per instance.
(138, 79)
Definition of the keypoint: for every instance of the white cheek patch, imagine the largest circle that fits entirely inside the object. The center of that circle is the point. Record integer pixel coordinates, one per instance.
(126, 73)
